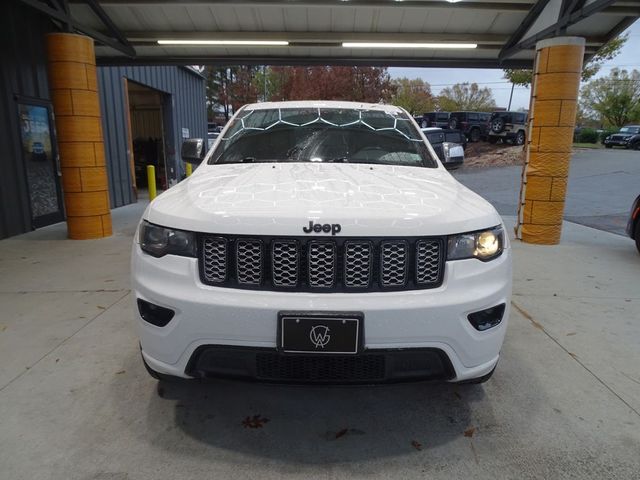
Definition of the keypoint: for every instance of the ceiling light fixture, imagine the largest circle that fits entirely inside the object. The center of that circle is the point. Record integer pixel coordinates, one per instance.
(407, 45)
(254, 43)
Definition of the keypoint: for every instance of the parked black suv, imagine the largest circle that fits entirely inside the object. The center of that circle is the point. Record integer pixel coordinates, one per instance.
(473, 124)
(627, 137)
(435, 119)
(508, 126)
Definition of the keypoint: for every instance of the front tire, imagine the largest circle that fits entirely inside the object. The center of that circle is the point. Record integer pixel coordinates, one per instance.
(520, 138)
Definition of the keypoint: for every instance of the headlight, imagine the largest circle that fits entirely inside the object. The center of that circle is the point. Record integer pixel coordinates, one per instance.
(484, 245)
(160, 241)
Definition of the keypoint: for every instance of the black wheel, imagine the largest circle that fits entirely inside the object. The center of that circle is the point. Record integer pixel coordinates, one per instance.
(637, 235)
(475, 135)
(636, 146)
(479, 380)
(453, 124)
(520, 138)
(497, 125)
(493, 140)
(608, 146)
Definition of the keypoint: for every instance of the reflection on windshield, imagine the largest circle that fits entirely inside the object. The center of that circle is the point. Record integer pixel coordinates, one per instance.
(329, 135)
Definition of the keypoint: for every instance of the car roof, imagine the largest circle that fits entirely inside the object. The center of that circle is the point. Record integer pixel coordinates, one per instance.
(324, 104)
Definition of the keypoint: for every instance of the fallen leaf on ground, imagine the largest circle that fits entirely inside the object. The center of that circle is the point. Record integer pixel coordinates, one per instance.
(571, 333)
(3, 328)
(342, 432)
(257, 421)
(120, 372)
(573, 355)
(469, 432)
(417, 445)
(101, 307)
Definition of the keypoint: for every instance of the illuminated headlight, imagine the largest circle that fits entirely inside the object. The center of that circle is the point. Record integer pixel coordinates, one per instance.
(484, 245)
(160, 241)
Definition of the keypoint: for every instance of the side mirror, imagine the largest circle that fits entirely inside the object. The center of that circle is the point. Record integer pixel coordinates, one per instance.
(453, 155)
(192, 150)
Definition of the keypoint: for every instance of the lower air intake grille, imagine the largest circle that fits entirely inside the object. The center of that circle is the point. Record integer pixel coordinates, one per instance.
(272, 366)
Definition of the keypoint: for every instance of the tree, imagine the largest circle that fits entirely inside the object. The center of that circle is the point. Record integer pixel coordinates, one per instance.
(413, 95)
(607, 52)
(614, 98)
(359, 84)
(217, 85)
(465, 96)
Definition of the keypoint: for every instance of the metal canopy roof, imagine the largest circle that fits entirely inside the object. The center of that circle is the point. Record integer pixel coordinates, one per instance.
(127, 31)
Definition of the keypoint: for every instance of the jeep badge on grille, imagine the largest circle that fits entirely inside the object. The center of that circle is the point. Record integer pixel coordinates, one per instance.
(334, 228)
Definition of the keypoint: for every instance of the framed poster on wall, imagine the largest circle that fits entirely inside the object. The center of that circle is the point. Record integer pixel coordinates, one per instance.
(40, 155)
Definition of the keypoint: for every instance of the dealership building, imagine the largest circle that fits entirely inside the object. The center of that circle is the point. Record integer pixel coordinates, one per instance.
(77, 137)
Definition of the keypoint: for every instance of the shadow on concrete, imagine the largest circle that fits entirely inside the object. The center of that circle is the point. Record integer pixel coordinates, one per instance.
(317, 424)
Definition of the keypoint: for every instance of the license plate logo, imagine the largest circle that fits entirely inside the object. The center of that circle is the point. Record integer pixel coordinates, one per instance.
(320, 336)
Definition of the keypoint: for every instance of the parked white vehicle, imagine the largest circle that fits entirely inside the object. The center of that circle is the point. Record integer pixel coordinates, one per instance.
(321, 242)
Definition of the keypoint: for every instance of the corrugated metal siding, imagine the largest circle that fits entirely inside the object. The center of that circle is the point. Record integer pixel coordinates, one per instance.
(187, 110)
(23, 72)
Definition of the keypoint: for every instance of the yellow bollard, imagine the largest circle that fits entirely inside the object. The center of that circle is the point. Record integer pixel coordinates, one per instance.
(151, 181)
(188, 169)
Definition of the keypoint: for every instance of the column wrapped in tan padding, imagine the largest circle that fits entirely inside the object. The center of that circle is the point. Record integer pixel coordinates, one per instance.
(552, 120)
(74, 91)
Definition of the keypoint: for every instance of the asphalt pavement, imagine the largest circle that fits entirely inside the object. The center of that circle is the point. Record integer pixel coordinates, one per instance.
(602, 186)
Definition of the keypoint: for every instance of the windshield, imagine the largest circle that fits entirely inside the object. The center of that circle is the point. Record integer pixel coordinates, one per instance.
(323, 135)
(630, 130)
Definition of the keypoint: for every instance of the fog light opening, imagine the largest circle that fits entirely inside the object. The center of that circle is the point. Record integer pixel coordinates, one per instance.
(488, 318)
(154, 314)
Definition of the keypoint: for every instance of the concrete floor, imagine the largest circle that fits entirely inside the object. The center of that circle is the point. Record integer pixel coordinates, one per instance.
(76, 403)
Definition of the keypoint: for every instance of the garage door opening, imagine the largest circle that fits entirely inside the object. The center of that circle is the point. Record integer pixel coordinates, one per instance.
(148, 126)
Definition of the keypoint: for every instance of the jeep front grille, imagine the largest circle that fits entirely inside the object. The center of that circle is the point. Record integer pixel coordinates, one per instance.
(321, 264)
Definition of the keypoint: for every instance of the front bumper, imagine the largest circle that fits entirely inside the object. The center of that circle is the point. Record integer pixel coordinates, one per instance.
(434, 319)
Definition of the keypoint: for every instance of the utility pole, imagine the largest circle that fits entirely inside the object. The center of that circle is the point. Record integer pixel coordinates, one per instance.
(511, 97)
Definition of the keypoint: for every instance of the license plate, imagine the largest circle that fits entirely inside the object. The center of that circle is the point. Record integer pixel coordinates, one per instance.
(320, 333)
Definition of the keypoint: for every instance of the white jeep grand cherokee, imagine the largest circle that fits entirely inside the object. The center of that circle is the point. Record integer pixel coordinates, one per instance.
(321, 242)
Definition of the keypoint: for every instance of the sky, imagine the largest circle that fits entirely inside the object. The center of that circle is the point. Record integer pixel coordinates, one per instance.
(440, 78)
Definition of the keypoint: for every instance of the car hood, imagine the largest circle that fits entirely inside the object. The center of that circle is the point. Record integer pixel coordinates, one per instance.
(281, 199)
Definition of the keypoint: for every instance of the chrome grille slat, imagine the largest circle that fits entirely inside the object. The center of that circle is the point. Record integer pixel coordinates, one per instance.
(215, 259)
(249, 262)
(284, 263)
(358, 261)
(321, 264)
(394, 260)
(427, 261)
